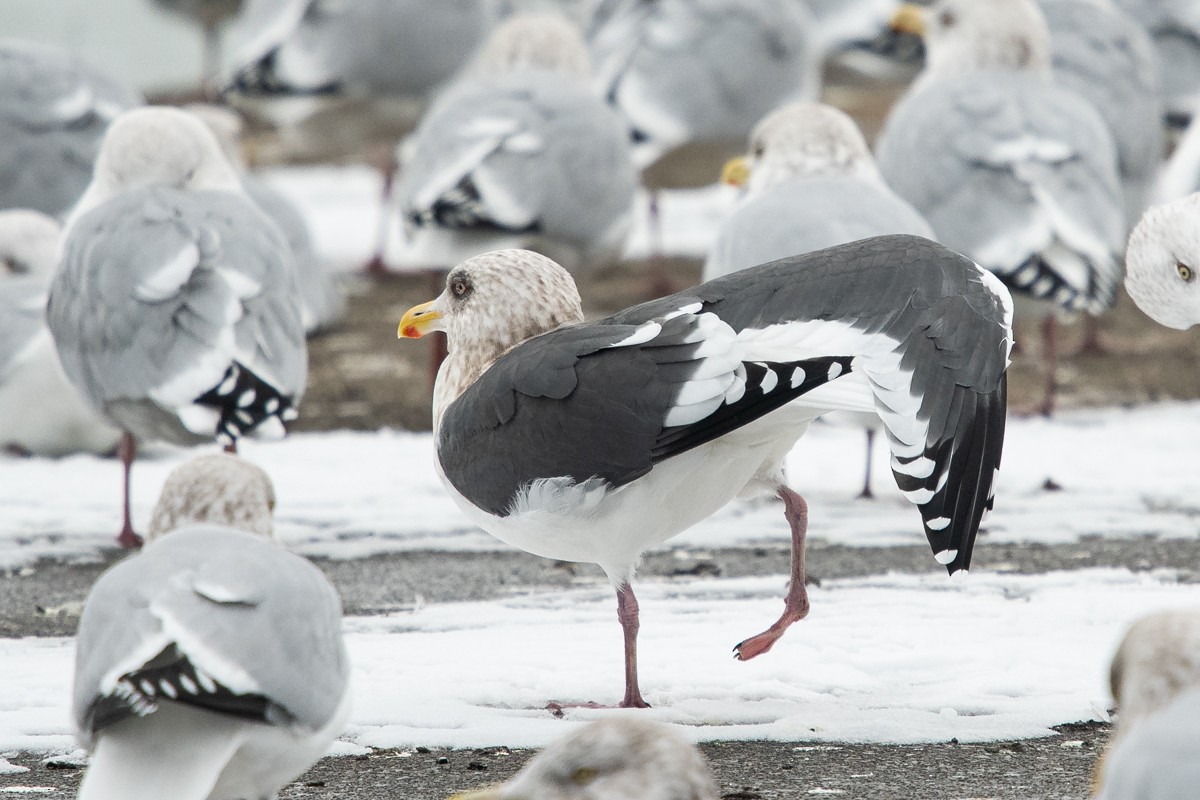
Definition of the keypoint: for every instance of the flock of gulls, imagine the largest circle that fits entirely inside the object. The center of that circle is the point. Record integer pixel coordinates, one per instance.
(152, 289)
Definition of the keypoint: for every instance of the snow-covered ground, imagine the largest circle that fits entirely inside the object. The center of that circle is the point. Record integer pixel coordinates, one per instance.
(892, 658)
(883, 659)
(346, 495)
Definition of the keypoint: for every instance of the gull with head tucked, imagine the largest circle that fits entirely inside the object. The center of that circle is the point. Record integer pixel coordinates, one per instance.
(210, 665)
(175, 310)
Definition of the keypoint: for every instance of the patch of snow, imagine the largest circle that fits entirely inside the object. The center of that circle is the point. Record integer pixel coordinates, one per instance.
(895, 658)
(1123, 473)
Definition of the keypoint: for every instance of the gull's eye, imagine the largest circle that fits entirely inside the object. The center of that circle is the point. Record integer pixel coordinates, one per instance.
(1185, 272)
(459, 287)
(583, 776)
(947, 19)
(759, 149)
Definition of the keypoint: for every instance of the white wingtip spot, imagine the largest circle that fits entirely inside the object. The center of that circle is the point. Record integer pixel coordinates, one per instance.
(147, 687)
(227, 385)
(945, 557)
(770, 381)
(798, 376)
(938, 523)
(289, 414)
(640, 336)
(188, 684)
(835, 369)
(168, 689)
(246, 398)
(960, 574)
(919, 496)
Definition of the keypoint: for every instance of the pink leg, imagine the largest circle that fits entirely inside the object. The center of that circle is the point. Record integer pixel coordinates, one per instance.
(795, 604)
(1092, 344)
(1050, 357)
(127, 452)
(627, 613)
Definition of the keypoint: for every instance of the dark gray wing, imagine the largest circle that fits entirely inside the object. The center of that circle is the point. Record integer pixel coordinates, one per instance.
(54, 109)
(608, 400)
(213, 617)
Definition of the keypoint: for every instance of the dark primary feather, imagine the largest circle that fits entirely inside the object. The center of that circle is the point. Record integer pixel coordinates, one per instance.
(561, 405)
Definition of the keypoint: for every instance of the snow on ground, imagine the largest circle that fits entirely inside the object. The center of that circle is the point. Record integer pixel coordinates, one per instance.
(342, 206)
(882, 659)
(347, 495)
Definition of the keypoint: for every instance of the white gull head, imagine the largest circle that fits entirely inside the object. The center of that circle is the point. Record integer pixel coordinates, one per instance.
(803, 140)
(1162, 263)
(216, 489)
(157, 146)
(492, 303)
(963, 36)
(543, 41)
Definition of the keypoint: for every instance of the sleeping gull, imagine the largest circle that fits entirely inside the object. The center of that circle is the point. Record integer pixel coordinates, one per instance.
(520, 153)
(1175, 27)
(1104, 56)
(594, 441)
(1163, 261)
(1155, 752)
(810, 183)
(211, 664)
(175, 310)
(41, 413)
(321, 298)
(621, 758)
(54, 109)
(1010, 169)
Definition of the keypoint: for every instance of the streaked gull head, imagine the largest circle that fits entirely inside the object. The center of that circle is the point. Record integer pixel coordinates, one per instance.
(30, 243)
(545, 41)
(803, 140)
(218, 489)
(157, 146)
(1157, 660)
(1162, 262)
(492, 303)
(963, 36)
(620, 758)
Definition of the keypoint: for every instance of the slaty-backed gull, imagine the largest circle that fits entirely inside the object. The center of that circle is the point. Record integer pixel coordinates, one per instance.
(621, 758)
(175, 310)
(1012, 170)
(594, 441)
(210, 665)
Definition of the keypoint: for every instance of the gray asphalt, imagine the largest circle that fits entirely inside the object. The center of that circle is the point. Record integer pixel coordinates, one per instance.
(44, 600)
